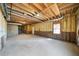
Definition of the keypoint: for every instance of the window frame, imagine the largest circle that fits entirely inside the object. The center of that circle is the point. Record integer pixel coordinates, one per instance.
(54, 29)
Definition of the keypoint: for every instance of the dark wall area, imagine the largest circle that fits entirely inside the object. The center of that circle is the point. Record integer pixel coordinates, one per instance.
(69, 36)
(44, 33)
(64, 36)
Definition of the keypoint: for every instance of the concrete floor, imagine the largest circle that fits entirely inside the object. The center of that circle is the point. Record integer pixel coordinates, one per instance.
(31, 45)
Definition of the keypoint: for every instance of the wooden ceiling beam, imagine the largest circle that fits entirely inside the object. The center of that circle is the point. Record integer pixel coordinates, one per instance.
(55, 10)
(28, 12)
(20, 6)
(68, 8)
(21, 20)
(42, 11)
(52, 14)
(17, 6)
(29, 7)
(34, 9)
(51, 9)
(65, 6)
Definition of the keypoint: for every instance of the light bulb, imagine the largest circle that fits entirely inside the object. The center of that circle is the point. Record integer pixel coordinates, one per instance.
(37, 14)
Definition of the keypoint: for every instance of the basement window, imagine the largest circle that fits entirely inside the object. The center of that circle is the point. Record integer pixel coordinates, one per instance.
(56, 29)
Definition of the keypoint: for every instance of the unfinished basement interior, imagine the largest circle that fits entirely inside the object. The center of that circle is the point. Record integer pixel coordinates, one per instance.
(39, 29)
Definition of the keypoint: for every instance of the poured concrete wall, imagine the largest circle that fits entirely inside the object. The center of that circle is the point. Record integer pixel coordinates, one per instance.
(12, 30)
(77, 26)
(3, 24)
(78, 31)
(3, 30)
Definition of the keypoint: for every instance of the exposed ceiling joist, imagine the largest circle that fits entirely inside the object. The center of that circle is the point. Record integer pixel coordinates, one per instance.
(26, 14)
(53, 14)
(39, 12)
(55, 10)
(40, 8)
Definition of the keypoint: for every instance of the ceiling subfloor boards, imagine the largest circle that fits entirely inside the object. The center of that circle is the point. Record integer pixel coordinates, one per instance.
(40, 12)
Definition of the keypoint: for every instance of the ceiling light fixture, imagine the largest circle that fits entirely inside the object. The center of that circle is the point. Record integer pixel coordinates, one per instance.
(37, 14)
(25, 14)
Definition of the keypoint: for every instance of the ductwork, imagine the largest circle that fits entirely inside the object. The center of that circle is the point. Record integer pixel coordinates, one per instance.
(4, 10)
